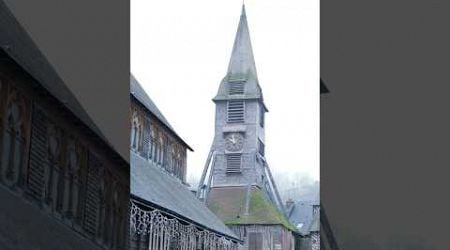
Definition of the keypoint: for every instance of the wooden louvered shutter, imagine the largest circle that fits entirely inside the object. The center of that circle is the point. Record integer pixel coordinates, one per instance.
(235, 111)
(38, 155)
(236, 87)
(146, 138)
(92, 197)
(234, 162)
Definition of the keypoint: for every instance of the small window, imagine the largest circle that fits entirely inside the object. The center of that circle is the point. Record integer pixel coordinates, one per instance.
(234, 162)
(236, 88)
(235, 111)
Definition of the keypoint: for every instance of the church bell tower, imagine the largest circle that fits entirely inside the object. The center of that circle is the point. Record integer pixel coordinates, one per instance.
(236, 183)
(237, 157)
(239, 122)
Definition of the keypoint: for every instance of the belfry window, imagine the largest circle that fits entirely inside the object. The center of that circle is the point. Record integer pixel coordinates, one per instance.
(234, 162)
(235, 111)
(236, 87)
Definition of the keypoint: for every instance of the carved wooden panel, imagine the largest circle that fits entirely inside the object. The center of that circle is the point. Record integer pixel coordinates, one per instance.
(74, 172)
(14, 134)
(48, 160)
(156, 143)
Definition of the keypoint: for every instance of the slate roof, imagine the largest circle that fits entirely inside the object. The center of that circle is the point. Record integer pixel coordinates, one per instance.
(302, 213)
(17, 44)
(236, 205)
(151, 184)
(139, 93)
(242, 61)
(241, 66)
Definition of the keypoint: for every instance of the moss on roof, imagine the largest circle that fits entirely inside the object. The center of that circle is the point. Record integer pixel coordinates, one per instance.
(229, 204)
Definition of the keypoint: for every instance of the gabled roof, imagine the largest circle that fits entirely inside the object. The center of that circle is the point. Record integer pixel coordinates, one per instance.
(152, 185)
(139, 93)
(240, 206)
(242, 66)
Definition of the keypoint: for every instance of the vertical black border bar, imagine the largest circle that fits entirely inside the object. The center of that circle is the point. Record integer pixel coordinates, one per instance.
(385, 128)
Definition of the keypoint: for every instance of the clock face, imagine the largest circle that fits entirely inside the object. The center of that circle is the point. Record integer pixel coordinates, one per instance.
(234, 141)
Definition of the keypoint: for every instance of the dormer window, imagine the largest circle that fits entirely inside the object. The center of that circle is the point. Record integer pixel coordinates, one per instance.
(235, 111)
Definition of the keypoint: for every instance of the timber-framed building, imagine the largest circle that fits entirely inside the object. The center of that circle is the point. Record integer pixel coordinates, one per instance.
(165, 214)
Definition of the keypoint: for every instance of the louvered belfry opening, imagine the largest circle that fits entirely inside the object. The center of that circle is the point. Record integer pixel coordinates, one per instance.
(236, 87)
(235, 111)
(234, 162)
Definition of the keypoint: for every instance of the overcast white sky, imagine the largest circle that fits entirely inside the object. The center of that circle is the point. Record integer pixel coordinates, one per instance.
(180, 51)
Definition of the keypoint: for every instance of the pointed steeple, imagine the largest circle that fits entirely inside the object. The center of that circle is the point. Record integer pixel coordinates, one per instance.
(241, 67)
(242, 62)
